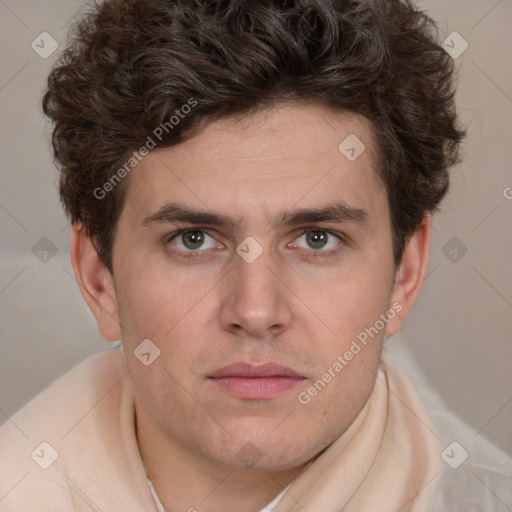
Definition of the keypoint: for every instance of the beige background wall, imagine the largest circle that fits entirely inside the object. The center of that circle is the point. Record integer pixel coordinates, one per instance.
(460, 329)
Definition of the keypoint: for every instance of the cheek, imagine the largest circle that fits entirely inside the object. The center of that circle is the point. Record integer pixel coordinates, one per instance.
(161, 316)
(347, 303)
(350, 347)
(154, 302)
(164, 397)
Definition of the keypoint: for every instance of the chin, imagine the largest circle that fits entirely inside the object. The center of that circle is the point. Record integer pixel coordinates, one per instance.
(266, 450)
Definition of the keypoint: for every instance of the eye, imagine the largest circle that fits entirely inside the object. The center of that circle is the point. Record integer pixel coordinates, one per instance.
(192, 240)
(319, 239)
(193, 243)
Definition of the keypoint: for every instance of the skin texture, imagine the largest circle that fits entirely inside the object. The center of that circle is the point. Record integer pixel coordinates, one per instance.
(291, 305)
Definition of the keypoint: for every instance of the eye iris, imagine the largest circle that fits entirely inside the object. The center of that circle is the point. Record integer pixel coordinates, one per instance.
(316, 237)
(195, 239)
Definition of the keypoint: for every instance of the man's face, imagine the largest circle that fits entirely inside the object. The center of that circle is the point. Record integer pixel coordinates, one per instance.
(207, 298)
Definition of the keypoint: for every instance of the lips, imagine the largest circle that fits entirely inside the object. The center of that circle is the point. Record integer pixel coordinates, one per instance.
(255, 371)
(249, 381)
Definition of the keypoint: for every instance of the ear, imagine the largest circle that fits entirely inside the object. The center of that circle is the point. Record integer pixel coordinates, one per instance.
(411, 273)
(95, 283)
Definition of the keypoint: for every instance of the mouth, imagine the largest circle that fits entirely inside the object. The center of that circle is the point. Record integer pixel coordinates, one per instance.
(256, 382)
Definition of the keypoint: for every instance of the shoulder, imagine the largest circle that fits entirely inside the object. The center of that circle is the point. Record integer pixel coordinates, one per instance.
(477, 475)
(39, 443)
(58, 406)
(473, 488)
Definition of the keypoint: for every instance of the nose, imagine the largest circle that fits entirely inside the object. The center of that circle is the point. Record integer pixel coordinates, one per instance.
(257, 300)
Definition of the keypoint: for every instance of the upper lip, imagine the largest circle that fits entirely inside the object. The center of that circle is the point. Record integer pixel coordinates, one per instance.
(248, 370)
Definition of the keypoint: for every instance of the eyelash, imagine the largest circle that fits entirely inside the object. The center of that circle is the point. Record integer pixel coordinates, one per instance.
(198, 253)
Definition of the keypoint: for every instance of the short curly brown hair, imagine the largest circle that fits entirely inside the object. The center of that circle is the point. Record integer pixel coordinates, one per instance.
(129, 65)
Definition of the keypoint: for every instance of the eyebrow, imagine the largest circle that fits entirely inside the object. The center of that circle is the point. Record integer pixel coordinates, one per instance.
(339, 212)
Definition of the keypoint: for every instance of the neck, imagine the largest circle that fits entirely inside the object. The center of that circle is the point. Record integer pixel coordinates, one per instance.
(186, 480)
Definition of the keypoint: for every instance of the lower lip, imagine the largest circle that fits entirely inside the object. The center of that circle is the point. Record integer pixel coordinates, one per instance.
(256, 387)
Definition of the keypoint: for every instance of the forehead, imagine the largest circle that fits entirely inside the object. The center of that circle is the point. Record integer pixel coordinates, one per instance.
(274, 159)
